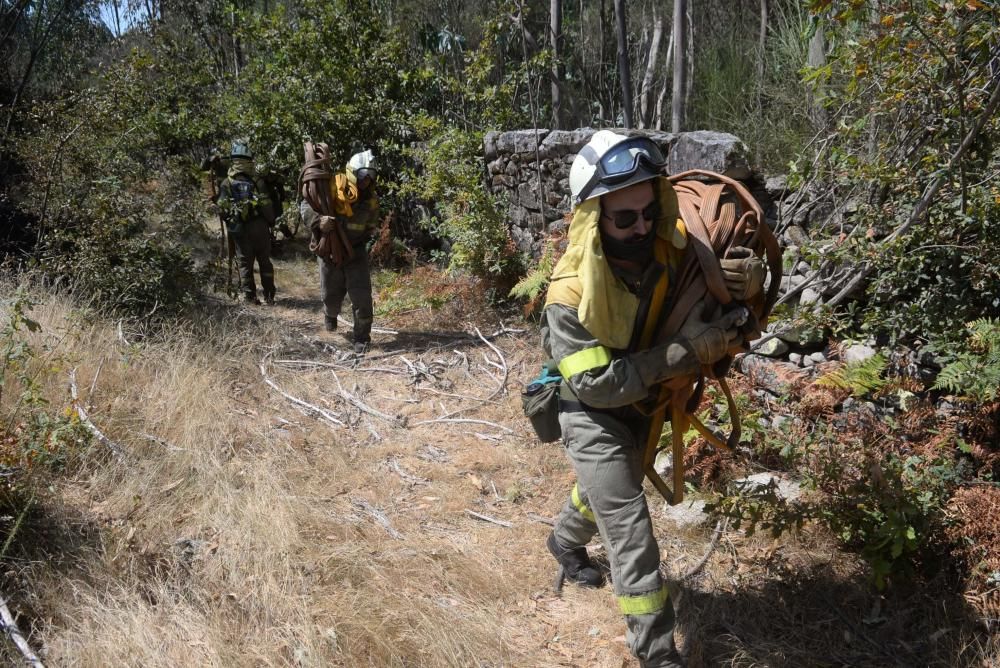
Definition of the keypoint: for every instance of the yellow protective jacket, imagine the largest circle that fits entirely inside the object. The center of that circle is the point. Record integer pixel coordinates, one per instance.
(361, 216)
(583, 279)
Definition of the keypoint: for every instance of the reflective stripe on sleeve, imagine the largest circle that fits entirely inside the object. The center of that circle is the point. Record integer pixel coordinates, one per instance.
(580, 506)
(646, 604)
(584, 360)
(355, 227)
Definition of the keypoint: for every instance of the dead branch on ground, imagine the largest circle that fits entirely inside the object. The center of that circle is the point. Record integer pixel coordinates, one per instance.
(14, 633)
(116, 449)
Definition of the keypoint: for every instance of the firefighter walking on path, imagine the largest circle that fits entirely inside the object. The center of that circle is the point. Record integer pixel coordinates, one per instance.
(247, 207)
(626, 245)
(345, 272)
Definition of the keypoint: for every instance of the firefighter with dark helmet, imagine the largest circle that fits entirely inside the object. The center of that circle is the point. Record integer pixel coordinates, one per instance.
(625, 239)
(246, 205)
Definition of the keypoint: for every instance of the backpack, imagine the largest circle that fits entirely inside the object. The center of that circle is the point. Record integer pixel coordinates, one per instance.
(242, 197)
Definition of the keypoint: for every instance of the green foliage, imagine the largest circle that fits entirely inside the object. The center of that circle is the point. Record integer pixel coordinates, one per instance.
(975, 371)
(31, 435)
(886, 506)
(472, 219)
(760, 98)
(532, 286)
(908, 88)
(860, 378)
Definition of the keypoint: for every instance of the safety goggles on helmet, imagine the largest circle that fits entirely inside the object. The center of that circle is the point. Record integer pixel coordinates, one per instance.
(622, 161)
(629, 217)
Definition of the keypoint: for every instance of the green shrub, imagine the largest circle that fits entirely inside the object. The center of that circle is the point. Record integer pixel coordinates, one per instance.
(473, 219)
(974, 372)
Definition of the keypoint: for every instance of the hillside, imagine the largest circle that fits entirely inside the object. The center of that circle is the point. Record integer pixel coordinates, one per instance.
(401, 522)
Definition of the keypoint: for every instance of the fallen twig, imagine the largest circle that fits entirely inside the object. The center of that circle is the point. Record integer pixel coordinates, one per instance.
(363, 407)
(720, 527)
(104, 440)
(93, 384)
(466, 421)
(14, 633)
(378, 516)
(487, 518)
(160, 441)
(315, 410)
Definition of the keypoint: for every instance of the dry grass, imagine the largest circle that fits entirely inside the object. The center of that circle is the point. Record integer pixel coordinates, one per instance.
(248, 533)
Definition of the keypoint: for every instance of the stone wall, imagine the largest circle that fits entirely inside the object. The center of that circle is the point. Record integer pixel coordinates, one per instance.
(533, 210)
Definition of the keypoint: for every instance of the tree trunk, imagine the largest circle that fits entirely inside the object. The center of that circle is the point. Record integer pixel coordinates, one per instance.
(555, 28)
(817, 58)
(623, 65)
(677, 100)
(646, 94)
(761, 42)
(667, 70)
(688, 56)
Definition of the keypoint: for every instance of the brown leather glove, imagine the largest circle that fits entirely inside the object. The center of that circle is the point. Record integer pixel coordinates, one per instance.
(710, 340)
(327, 224)
(743, 273)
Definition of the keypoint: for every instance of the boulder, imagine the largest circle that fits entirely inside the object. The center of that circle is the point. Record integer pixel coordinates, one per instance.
(520, 141)
(714, 151)
(786, 489)
(858, 353)
(773, 348)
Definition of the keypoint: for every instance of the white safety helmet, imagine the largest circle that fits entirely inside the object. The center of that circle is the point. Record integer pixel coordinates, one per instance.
(610, 162)
(363, 160)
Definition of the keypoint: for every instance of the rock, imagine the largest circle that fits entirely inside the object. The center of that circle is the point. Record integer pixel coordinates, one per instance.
(490, 145)
(773, 348)
(715, 151)
(687, 513)
(795, 235)
(808, 296)
(778, 421)
(776, 186)
(520, 141)
(559, 143)
(858, 353)
(795, 358)
(771, 376)
(817, 358)
(802, 336)
(786, 489)
(808, 362)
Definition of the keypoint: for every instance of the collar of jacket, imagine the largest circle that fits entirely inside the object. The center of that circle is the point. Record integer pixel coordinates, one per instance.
(244, 167)
(584, 280)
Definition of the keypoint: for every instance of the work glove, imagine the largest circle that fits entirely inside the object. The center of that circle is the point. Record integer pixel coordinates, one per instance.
(711, 340)
(743, 273)
(327, 224)
(696, 343)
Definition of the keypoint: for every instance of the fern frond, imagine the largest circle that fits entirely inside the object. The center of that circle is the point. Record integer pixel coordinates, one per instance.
(859, 378)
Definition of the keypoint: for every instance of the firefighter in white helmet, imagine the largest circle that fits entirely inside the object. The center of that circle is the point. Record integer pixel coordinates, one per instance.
(626, 243)
(360, 220)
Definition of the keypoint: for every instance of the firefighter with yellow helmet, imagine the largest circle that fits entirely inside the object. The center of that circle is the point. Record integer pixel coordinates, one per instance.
(625, 239)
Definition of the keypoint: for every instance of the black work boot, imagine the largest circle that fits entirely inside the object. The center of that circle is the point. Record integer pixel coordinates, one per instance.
(330, 323)
(361, 347)
(575, 563)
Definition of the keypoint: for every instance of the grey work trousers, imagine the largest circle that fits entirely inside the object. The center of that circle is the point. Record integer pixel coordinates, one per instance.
(351, 278)
(608, 498)
(252, 242)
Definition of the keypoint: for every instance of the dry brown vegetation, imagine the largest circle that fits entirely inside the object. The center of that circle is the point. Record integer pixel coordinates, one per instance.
(239, 530)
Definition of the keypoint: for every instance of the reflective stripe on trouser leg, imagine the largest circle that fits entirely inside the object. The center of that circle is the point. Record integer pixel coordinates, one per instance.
(608, 463)
(575, 525)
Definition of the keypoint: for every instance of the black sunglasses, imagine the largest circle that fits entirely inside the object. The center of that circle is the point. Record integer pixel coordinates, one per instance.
(627, 218)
